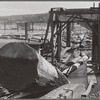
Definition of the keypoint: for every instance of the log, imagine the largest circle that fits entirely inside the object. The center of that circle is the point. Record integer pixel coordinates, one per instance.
(22, 69)
(16, 66)
(66, 91)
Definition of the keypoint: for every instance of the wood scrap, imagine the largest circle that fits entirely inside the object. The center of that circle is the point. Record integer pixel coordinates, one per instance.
(66, 91)
(79, 76)
(86, 93)
(64, 51)
(91, 76)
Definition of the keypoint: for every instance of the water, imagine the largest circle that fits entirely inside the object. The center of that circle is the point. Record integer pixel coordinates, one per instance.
(21, 32)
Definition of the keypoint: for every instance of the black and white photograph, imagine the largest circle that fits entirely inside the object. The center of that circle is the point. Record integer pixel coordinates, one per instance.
(49, 50)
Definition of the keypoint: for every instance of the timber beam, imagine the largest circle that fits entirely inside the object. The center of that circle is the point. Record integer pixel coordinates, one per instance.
(77, 11)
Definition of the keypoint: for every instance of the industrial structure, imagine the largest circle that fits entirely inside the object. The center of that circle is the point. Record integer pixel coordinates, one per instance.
(47, 76)
(60, 19)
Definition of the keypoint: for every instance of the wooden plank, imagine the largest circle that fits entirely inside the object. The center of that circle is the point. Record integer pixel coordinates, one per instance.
(86, 93)
(90, 70)
(77, 11)
(16, 95)
(76, 59)
(66, 91)
(91, 76)
(52, 37)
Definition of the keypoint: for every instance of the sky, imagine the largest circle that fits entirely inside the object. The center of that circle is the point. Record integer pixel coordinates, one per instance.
(35, 7)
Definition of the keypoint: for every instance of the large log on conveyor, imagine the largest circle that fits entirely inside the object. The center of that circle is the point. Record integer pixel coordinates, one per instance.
(22, 69)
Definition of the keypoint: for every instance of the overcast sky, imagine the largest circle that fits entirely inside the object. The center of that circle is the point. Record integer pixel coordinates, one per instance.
(33, 7)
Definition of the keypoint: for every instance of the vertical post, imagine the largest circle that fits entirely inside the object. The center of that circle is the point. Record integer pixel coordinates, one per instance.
(48, 25)
(59, 43)
(94, 45)
(17, 27)
(52, 38)
(4, 26)
(26, 31)
(72, 26)
(68, 34)
(93, 5)
(32, 26)
(99, 35)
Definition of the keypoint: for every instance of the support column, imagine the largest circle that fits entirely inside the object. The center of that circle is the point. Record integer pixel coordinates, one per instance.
(52, 38)
(95, 55)
(99, 36)
(26, 31)
(68, 34)
(72, 26)
(58, 55)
